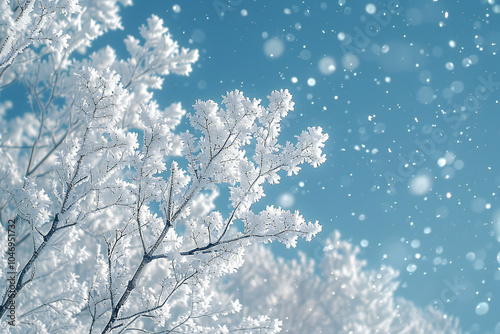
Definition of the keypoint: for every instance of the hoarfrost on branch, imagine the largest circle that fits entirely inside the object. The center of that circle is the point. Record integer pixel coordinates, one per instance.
(111, 237)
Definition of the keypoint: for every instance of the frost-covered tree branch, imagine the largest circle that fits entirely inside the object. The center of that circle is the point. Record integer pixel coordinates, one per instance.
(25, 22)
(111, 238)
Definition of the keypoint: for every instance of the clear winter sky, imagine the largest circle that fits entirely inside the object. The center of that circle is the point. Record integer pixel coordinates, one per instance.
(378, 98)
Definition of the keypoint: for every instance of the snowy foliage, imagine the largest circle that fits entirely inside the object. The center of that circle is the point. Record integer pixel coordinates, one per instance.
(110, 237)
(336, 295)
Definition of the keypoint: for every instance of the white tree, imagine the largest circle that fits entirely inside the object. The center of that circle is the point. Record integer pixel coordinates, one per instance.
(336, 295)
(108, 237)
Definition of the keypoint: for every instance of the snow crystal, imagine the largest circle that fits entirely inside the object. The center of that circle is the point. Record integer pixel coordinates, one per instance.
(420, 185)
(370, 8)
(274, 48)
(286, 200)
(411, 267)
(326, 65)
(470, 256)
(466, 62)
(482, 308)
(350, 61)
